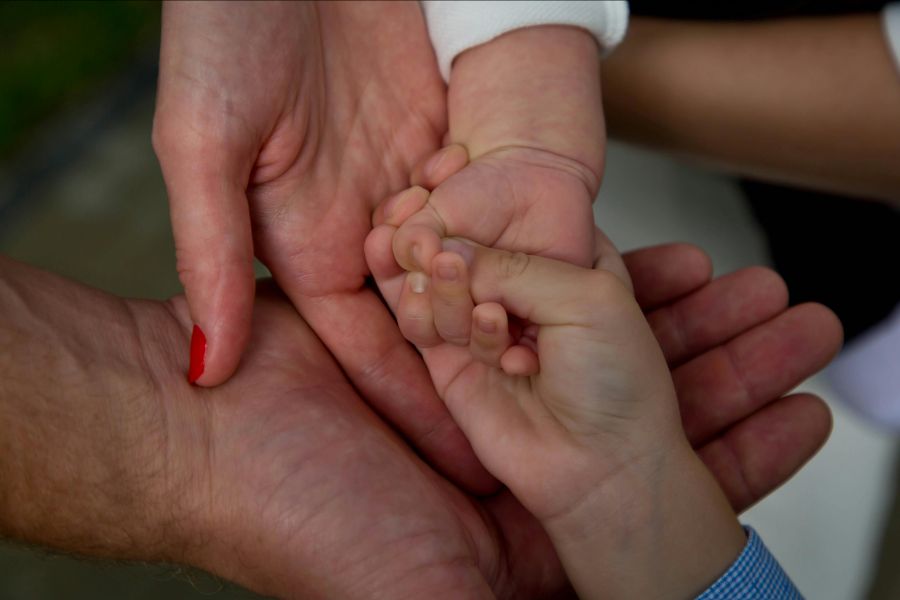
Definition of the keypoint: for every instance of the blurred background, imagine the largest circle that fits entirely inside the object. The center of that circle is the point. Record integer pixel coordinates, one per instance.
(81, 195)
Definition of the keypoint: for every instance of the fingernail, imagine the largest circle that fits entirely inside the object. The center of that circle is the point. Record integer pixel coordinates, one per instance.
(198, 354)
(417, 282)
(448, 272)
(466, 251)
(487, 326)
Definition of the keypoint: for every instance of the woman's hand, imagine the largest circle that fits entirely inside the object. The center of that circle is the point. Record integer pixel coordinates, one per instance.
(279, 126)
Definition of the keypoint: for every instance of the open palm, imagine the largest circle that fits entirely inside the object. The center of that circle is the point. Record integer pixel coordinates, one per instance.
(277, 136)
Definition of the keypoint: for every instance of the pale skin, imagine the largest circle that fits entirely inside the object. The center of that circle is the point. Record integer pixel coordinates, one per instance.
(572, 408)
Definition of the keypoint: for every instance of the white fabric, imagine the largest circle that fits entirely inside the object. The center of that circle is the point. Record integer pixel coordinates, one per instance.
(891, 20)
(456, 26)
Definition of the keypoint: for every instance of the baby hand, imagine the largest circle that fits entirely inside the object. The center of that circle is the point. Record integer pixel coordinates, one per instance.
(555, 360)
(555, 377)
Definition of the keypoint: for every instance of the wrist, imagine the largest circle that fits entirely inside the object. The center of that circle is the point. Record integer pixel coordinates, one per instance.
(84, 467)
(538, 88)
(64, 482)
(661, 529)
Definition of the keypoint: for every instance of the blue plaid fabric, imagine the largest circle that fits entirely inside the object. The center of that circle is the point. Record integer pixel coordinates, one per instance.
(755, 575)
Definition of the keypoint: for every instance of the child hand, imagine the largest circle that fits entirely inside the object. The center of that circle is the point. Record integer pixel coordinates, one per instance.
(575, 412)
(521, 346)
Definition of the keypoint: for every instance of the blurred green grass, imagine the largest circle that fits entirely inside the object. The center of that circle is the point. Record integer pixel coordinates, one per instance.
(54, 54)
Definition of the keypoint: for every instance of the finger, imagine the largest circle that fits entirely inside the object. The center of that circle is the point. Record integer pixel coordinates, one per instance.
(418, 240)
(717, 312)
(447, 161)
(399, 207)
(388, 275)
(389, 373)
(754, 368)
(762, 451)
(214, 251)
(451, 301)
(661, 274)
(540, 290)
(521, 361)
(414, 314)
(490, 333)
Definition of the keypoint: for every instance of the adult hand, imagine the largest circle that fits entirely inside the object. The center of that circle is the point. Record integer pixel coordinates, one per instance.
(285, 481)
(278, 127)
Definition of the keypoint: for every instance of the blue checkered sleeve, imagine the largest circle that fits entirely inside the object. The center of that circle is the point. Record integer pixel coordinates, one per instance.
(755, 575)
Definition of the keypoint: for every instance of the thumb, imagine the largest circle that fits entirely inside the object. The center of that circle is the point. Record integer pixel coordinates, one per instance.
(542, 290)
(214, 251)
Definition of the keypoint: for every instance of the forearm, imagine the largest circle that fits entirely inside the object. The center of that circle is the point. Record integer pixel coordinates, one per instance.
(533, 88)
(82, 466)
(812, 101)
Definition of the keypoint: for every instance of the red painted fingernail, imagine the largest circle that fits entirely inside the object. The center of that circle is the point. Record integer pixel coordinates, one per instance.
(198, 355)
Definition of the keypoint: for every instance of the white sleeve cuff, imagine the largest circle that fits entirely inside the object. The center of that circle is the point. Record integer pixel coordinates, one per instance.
(456, 26)
(892, 30)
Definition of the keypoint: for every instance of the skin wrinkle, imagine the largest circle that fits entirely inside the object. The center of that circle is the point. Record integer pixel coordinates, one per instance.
(195, 540)
(699, 438)
(167, 136)
(390, 140)
(415, 119)
(588, 177)
(376, 372)
(263, 171)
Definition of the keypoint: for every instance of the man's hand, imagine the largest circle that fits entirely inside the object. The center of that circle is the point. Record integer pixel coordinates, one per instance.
(284, 480)
(278, 127)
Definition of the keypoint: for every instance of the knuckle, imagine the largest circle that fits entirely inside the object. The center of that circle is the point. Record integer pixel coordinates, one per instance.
(163, 135)
(206, 272)
(512, 264)
(417, 328)
(454, 333)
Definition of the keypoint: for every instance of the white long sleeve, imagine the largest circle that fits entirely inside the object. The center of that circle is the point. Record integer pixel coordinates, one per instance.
(456, 26)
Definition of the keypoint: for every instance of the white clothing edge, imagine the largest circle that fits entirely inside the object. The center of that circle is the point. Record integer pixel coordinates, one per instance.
(456, 26)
